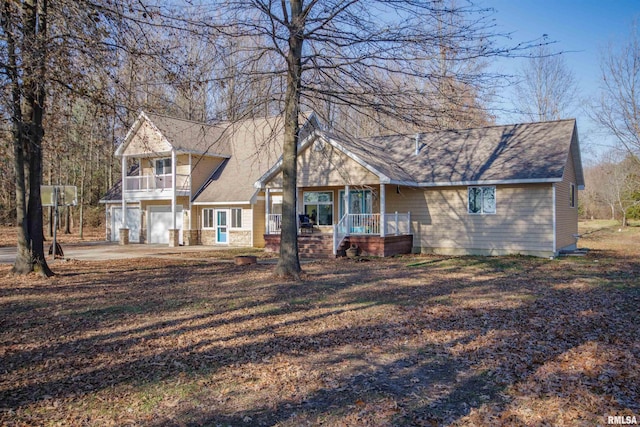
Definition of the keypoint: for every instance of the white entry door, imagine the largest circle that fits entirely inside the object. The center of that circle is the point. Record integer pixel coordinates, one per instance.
(160, 222)
(133, 223)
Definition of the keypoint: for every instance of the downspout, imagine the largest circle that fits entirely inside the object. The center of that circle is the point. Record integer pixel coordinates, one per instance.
(555, 220)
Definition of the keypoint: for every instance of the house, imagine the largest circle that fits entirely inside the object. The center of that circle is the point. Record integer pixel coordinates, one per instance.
(493, 190)
(192, 183)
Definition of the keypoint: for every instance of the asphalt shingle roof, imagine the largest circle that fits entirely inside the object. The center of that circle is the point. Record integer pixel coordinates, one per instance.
(517, 153)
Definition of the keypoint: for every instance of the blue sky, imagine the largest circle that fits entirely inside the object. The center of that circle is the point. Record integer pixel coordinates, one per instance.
(582, 29)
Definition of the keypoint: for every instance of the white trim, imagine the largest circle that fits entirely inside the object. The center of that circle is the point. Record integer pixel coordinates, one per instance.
(245, 202)
(477, 183)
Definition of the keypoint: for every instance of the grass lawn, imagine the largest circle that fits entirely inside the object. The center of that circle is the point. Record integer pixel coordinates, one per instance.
(415, 340)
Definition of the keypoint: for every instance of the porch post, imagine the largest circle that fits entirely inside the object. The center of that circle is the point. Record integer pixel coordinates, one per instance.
(124, 187)
(190, 193)
(173, 187)
(383, 208)
(397, 225)
(173, 197)
(347, 202)
(266, 211)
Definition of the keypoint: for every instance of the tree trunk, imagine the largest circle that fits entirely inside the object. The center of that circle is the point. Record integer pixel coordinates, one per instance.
(22, 264)
(289, 263)
(31, 135)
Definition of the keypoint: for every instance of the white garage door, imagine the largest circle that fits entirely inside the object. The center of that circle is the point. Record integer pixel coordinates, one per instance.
(133, 223)
(160, 222)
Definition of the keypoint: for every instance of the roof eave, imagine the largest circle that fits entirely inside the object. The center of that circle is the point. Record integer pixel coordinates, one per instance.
(478, 182)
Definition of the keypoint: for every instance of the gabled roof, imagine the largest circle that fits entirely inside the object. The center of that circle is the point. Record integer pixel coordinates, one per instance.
(185, 136)
(521, 153)
(250, 148)
(254, 146)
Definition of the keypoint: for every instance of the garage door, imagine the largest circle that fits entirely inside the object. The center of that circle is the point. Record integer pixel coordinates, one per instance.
(160, 222)
(133, 223)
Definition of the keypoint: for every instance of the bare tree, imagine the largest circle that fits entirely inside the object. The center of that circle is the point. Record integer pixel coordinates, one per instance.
(373, 59)
(618, 108)
(547, 89)
(45, 45)
(614, 184)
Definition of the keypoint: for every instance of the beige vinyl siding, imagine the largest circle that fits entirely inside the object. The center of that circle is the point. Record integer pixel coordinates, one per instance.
(240, 237)
(566, 216)
(258, 213)
(146, 141)
(523, 222)
(327, 167)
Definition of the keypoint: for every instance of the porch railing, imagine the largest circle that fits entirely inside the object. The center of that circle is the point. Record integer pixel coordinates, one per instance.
(357, 224)
(274, 224)
(157, 182)
(397, 223)
(340, 232)
(370, 224)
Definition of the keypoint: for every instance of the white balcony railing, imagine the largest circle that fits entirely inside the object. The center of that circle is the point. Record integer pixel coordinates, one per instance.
(157, 183)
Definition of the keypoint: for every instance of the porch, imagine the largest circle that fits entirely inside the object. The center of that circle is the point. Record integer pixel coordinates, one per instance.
(373, 234)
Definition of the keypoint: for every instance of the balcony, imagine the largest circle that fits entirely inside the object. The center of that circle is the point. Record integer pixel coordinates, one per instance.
(156, 186)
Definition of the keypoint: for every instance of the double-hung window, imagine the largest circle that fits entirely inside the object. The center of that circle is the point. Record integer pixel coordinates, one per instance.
(482, 200)
(236, 218)
(207, 218)
(163, 166)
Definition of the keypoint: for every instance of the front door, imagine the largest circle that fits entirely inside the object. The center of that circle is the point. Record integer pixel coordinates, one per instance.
(221, 227)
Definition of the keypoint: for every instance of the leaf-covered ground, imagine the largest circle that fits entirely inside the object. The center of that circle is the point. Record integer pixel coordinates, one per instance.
(405, 341)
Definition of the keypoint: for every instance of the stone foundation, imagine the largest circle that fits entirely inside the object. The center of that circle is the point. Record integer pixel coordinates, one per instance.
(191, 237)
(124, 236)
(174, 238)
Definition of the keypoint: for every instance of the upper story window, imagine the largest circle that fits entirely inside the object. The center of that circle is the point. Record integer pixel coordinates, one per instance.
(163, 166)
(482, 200)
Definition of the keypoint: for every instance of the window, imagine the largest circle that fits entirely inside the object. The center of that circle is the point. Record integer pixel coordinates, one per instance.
(319, 206)
(572, 195)
(360, 202)
(163, 166)
(482, 200)
(207, 218)
(236, 218)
